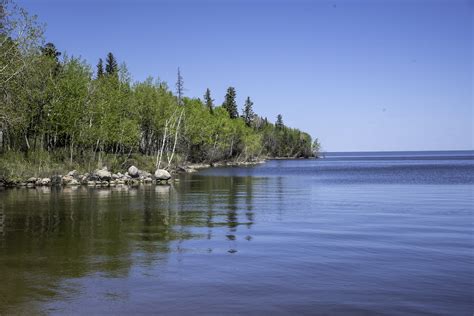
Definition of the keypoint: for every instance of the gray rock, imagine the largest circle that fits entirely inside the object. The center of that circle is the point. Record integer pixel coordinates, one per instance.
(144, 174)
(45, 181)
(32, 180)
(68, 179)
(73, 173)
(161, 174)
(133, 172)
(103, 174)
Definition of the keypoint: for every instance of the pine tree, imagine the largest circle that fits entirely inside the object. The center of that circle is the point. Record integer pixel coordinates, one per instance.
(50, 50)
(179, 87)
(111, 66)
(247, 113)
(229, 103)
(100, 68)
(209, 101)
(279, 123)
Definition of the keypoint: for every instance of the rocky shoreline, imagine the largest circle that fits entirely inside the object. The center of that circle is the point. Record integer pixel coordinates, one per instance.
(105, 178)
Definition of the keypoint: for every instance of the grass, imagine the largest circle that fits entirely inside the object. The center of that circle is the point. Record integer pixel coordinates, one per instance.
(15, 166)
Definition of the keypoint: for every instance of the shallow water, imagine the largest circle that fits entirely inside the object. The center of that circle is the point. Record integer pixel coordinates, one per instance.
(384, 233)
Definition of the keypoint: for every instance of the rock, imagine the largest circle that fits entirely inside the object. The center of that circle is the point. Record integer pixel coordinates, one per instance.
(161, 174)
(45, 181)
(133, 172)
(148, 180)
(56, 180)
(103, 174)
(115, 176)
(73, 182)
(32, 180)
(67, 179)
(73, 173)
(144, 174)
(91, 183)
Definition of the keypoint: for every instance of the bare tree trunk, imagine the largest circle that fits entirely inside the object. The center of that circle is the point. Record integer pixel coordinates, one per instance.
(175, 138)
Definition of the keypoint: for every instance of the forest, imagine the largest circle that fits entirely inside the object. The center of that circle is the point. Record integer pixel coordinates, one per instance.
(58, 110)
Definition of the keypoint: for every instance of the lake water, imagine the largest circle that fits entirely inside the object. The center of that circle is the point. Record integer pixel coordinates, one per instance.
(380, 233)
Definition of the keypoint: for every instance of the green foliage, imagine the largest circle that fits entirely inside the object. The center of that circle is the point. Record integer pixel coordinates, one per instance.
(209, 101)
(100, 68)
(55, 106)
(230, 104)
(111, 65)
(247, 113)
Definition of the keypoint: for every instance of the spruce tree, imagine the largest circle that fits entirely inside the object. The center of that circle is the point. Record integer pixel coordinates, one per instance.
(230, 104)
(279, 123)
(179, 87)
(209, 101)
(248, 113)
(100, 68)
(49, 49)
(111, 66)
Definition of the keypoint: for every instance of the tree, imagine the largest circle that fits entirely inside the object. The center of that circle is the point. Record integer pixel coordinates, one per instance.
(279, 123)
(209, 101)
(49, 49)
(179, 87)
(100, 68)
(229, 103)
(248, 113)
(111, 65)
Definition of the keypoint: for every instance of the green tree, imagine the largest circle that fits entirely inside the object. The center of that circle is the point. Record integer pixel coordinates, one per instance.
(111, 65)
(208, 101)
(248, 114)
(230, 104)
(279, 122)
(100, 68)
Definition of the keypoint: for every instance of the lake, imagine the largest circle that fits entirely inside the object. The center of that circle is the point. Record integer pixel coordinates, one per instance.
(353, 233)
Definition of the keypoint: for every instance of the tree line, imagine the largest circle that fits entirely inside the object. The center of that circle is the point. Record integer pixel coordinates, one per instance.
(57, 103)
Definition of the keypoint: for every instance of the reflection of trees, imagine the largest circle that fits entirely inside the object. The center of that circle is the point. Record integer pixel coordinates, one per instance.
(56, 234)
(48, 235)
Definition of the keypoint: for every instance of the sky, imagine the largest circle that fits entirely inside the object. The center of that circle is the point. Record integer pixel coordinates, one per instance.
(358, 75)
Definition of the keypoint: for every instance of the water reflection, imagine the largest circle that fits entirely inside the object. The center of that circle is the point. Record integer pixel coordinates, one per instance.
(49, 235)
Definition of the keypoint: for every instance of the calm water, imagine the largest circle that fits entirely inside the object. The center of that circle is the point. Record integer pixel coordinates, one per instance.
(386, 233)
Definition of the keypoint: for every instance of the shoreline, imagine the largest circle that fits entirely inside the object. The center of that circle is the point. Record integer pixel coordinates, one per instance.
(132, 177)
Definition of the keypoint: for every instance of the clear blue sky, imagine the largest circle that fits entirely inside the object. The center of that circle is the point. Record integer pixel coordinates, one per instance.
(359, 75)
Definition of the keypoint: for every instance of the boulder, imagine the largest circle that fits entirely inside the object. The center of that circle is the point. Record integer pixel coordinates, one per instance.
(32, 180)
(45, 181)
(73, 173)
(133, 172)
(103, 174)
(161, 174)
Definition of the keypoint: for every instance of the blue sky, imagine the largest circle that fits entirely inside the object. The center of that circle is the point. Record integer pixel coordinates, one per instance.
(359, 75)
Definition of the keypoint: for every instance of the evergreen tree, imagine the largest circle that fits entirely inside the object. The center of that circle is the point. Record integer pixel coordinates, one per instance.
(279, 123)
(111, 65)
(209, 101)
(248, 113)
(179, 87)
(49, 49)
(100, 68)
(230, 104)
